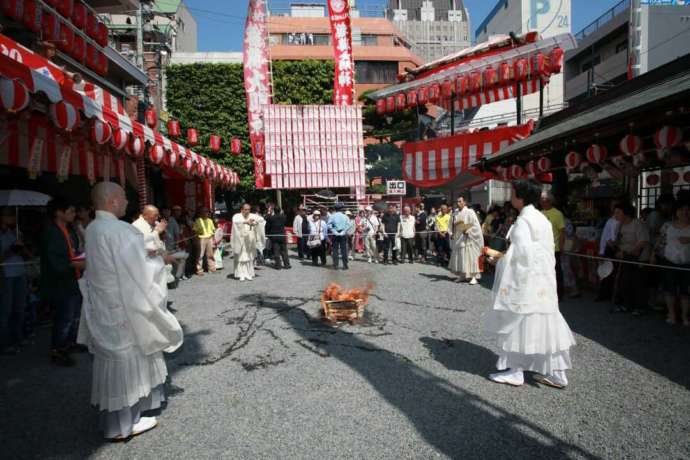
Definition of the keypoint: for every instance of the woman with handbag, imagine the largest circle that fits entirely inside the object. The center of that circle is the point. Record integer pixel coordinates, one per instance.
(318, 232)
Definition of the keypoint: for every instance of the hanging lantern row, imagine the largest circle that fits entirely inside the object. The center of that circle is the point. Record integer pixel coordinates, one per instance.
(521, 69)
(215, 141)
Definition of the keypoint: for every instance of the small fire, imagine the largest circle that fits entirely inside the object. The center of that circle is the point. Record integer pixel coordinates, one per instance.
(335, 292)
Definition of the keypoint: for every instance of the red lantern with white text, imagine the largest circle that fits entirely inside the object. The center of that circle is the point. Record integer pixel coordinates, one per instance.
(538, 66)
(119, 138)
(462, 85)
(214, 143)
(100, 132)
(400, 101)
(556, 60)
(504, 73)
(573, 160)
(516, 172)
(475, 82)
(188, 164)
(101, 64)
(447, 89)
(101, 34)
(423, 95)
(171, 158)
(543, 164)
(630, 145)
(490, 77)
(151, 117)
(411, 98)
(173, 128)
(66, 42)
(51, 28)
(596, 154)
(33, 15)
(236, 146)
(434, 92)
(520, 69)
(192, 136)
(531, 168)
(65, 8)
(380, 106)
(79, 14)
(13, 95)
(78, 51)
(64, 115)
(13, 8)
(390, 104)
(156, 153)
(91, 25)
(135, 146)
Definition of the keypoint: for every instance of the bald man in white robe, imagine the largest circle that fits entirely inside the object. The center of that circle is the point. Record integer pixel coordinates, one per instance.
(125, 321)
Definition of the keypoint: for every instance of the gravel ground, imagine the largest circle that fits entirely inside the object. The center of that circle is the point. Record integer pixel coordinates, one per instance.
(259, 376)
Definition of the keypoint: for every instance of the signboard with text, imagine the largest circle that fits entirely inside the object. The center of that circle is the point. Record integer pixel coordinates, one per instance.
(396, 187)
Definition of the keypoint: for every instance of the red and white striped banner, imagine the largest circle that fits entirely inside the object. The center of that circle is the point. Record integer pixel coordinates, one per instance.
(435, 162)
(314, 146)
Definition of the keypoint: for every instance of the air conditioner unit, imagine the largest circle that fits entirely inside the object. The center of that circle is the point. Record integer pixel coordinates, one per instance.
(400, 15)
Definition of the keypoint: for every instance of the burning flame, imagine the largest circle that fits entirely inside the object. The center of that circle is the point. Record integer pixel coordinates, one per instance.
(336, 292)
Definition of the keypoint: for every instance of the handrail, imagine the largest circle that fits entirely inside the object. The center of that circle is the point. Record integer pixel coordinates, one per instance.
(509, 116)
(597, 23)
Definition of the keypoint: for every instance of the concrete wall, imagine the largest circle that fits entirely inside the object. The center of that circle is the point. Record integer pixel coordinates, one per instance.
(667, 35)
(201, 57)
(186, 39)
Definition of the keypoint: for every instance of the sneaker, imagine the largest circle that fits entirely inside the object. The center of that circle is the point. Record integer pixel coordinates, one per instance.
(184, 278)
(145, 424)
(510, 377)
(557, 380)
(473, 281)
(369, 260)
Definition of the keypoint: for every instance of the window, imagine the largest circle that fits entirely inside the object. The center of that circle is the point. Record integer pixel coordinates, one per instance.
(370, 40)
(302, 38)
(505, 5)
(622, 46)
(376, 72)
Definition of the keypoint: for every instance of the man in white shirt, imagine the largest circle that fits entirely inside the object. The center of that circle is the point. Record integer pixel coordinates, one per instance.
(297, 230)
(607, 249)
(173, 235)
(148, 224)
(372, 226)
(406, 233)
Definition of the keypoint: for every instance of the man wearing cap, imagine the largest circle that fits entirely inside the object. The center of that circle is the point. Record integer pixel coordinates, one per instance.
(338, 224)
(351, 234)
(318, 232)
(372, 225)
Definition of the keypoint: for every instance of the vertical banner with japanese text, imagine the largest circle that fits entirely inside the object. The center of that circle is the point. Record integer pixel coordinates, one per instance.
(341, 35)
(257, 83)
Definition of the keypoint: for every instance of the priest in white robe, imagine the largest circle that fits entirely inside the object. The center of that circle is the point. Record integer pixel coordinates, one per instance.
(530, 332)
(468, 243)
(125, 321)
(245, 238)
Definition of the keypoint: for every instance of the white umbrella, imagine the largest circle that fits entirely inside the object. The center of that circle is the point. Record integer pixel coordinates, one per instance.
(18, 198)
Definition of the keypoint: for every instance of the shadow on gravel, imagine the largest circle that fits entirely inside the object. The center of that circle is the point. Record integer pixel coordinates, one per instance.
(434, 278)
(459, 355)
(456, 422)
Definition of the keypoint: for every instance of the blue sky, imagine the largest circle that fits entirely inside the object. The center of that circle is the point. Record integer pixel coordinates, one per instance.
(221, 22)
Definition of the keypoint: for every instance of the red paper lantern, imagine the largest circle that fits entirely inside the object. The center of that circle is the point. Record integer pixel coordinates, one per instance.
(171, 158)
(556, 60)
(51, 28)
(573, 160)
(101, 34)
(214, 143)
(490, 77)
(78, 48)
(151, 117)
(33, 15)
(504, 73)
(101, 64)
(475, 82)
(173, 128)
(668, 137)
(65, 8)
(462, 85)
(434, 92)
(52, 3)
(91, 25)
(66, 42)
(543, 164)
(79, 14)
(653, 180)
(119, 138)
(380, 106)
(674, 176)
(423, 95)
(538, 66)
(686, 177)
(100, 132)
(400, 101)
(630, 145)
(135, 147)
(156, 153)
(447, 89)
(520, 69)
(531, 168)
(192, 136)
(13, 8)
(546, 178)
(236, 146)
(412, 98)
(188, 164)
(516, 172)
(596, 154)
(390, 104)
(64, 115)
(13, 95)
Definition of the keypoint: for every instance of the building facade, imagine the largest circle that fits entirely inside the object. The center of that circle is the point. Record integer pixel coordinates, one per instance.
(608, 52)
(434, 28)
(379, 49)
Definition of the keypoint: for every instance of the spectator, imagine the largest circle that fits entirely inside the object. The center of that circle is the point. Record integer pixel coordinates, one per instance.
(338, 224)
(677, 254)
(607, 245)
(60, 270)
(421, 236)
(371, 229)
(318, 233)
(351, 230)
(299, 233)
(406, 233)
(13, 285)
(85, 215)
(390, 222)
(204, 228)
(632, 245)
(432, 236)
(558, 224)
(173, 235)
(359, 230)
(275, 229)
(442, 237)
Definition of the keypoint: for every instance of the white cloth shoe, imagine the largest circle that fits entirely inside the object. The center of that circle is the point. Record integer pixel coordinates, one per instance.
(145, 424)
(556, 380)
(369, 260)
(513, 377)
(473, 281)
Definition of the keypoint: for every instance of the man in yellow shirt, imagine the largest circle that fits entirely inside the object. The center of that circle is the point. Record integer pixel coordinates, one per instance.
(558, 225)
(204, 228)
(442, 238)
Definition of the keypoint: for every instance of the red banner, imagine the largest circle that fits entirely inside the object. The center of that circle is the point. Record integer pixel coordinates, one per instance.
(15, 51)
(257, 82)
(341, 36)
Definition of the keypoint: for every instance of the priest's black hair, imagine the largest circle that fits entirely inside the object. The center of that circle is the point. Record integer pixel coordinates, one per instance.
(528, 191)
(56, 205)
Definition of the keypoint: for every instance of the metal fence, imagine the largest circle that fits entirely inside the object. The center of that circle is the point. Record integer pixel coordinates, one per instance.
(603, 19)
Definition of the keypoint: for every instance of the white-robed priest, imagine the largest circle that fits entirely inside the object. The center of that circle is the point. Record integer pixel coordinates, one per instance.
(468, 243)
(245, 238)
(531, 334)
(125, 320)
